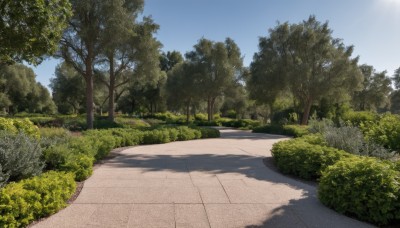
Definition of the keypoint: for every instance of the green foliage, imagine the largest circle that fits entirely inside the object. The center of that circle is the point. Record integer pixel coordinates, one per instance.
(31, 29)
(21, 93)
(366, 188)
(30, 199)
(156, 137)
(242, 123)
(81, 165)
(19, 125)
(303, 54)
(20, 156)
(289, 130)
(357, 118)
(375, 91)
(185, 133)
(385, 132)
(303, 159)
(207, 132)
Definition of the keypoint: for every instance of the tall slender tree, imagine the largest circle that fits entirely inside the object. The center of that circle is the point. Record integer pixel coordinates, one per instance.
(217, 66)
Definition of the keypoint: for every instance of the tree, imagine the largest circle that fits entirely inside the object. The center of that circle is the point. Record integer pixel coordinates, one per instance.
(68, 89)
(132, 46)
(31, 29)
(264, 81)
(182, 88)
(396, 78)
(169, 60)
(309, 62)
(20, 92)
(89, 35)
(217, 66)
(375, 91)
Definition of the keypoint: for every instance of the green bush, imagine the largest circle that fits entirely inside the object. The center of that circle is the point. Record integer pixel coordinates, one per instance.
(207, 132)
(81, 165)
(242, 123)
(289, 130)
(30, 199)
(156, 137)
(366, 188)
(303, 159)
(64, 158)
(53, 136)
(315, 139)
(19, 125)
(385, 132)
(185, 133)
(20, 156)
(295, 130)
(357, 118)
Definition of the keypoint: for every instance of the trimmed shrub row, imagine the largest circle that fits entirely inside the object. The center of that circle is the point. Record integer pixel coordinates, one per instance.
(303, 159)
(364, 187)
(289, 130)
(30, 199)
(77, 154)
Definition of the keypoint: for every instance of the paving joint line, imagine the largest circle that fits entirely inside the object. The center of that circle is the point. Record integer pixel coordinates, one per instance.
(224, 189)
(198, 191)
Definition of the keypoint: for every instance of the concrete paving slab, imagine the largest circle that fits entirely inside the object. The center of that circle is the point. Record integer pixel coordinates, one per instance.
(110, 215)
(132, 183)
(75, 215)
(191, 216)
(250, 215)
(213, 195)
(206, 182)
(157, 195)
(152, 215)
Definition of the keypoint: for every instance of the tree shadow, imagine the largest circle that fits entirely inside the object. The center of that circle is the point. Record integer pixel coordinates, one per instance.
(305, 211)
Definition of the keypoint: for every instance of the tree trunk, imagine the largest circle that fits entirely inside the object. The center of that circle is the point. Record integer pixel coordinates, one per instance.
(209, 116)
(89, 89)
(212, 107)
(306, 113)
(89, 97)
(187, 112)
(111, 96)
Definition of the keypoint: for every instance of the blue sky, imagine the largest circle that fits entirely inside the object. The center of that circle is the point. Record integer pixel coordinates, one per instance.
(372, 26)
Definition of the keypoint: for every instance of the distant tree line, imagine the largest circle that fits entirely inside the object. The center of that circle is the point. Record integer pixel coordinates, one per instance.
(111, 62)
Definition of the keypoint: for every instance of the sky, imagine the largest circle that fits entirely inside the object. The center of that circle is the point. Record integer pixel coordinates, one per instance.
(371, 26)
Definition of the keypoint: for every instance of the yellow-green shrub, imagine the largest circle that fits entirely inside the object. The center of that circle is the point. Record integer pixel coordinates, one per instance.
(366, 188)
(30, 199)
(19, 125)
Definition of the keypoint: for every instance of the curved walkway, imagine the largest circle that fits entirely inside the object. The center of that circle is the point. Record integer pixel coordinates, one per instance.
(203, 183)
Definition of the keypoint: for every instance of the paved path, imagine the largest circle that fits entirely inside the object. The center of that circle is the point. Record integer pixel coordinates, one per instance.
(202, 183)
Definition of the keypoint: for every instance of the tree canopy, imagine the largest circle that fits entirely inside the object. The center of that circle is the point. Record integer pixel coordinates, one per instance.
(305, 59)
(31, 29)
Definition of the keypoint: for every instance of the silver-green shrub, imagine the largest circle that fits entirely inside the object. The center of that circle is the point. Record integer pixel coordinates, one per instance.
(20, 157)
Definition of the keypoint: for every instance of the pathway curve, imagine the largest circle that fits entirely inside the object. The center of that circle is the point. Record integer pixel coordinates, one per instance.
(202, 183)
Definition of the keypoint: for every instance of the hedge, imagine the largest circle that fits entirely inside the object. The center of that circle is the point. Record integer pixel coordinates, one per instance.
(366, 188)
(289, 130)
(78, 154)
(33, 198)
(303, 159)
